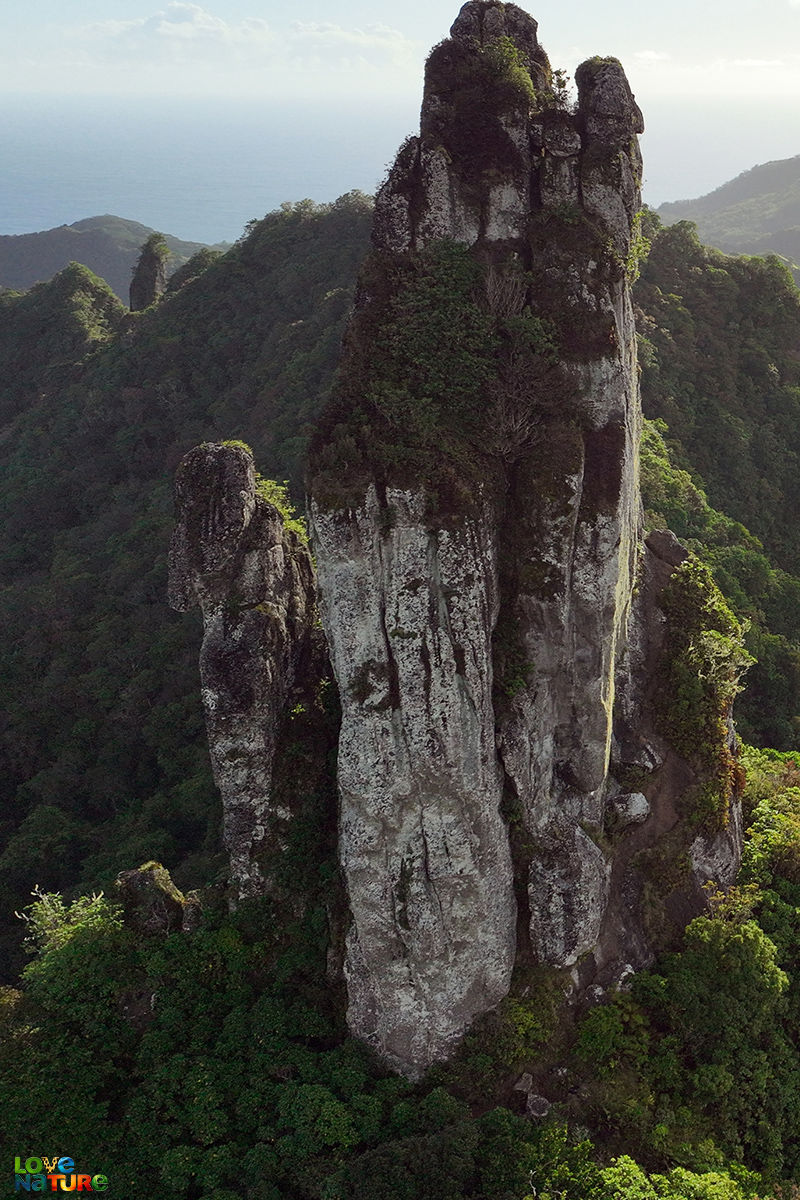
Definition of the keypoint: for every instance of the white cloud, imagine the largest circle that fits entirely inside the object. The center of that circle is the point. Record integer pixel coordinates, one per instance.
(719, 76)
(652, 55)
(190, 21)
(187, 33)
(180, 25)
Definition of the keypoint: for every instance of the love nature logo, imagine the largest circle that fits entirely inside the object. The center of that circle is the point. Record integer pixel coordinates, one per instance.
(56, 1174)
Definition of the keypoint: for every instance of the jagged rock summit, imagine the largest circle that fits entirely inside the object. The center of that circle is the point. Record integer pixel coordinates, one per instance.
(496, 141)
(514, 789)
(475, 634)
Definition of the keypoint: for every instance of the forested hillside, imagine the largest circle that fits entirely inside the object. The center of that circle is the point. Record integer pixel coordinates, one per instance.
(720, 358)
(103, 752)
(758, 212)
(107, 245)
(216, 1064)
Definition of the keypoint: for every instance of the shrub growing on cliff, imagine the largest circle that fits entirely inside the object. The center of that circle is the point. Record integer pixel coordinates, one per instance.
(413, 383)
(703, 661)
(472, 79)
(447, 370)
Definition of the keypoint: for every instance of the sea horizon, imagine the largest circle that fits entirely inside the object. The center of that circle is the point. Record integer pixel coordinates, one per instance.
(201, 168)
(197, 168)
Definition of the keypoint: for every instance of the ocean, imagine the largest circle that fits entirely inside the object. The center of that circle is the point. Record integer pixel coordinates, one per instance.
(199, 169)
(202, 168)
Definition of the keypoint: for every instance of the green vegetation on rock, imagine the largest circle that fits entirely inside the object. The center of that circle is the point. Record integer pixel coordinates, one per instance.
(476, 88)
(412, 390)
(703, 660)
(438, 383)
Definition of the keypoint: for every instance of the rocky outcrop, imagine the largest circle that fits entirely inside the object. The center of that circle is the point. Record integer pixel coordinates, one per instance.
(667, 847)
(513, 786)
(425, 853)
(151, 903)
(558, 191)
(149, 280)
(477, 569)
(232, 556)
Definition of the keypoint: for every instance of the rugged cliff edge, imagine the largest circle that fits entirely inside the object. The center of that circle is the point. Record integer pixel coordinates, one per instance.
(253, 581)
(476, 518)
(408, 612)
(536, 764)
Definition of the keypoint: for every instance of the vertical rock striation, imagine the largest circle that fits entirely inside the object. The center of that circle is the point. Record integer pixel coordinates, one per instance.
(424, 849)
(476, 519)
(578, 514)
(253, 581)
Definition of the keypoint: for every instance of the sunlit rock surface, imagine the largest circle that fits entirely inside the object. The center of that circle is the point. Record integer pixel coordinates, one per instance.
(253, 582)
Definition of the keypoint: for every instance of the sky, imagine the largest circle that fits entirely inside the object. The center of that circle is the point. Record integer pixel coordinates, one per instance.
(261, 47)
(719, 83)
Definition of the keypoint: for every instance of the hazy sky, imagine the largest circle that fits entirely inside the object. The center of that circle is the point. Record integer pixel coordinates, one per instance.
(704, 46)
(719, 83)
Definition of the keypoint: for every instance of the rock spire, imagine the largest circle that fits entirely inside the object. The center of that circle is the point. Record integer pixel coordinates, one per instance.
(252, 579)
(514, 788)
(476, 520)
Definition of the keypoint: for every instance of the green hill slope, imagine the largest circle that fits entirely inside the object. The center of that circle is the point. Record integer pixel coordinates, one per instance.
(109, 246)
(756, 213)
(720, 358)
(102, 750)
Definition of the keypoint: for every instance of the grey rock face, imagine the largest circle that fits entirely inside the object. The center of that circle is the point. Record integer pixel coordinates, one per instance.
(568, 893)
(410, 608)
(537, 1107)
(631, 808)
(583, 532)
(716, 859)
(253, 581)
(666, 547)
(425, 853)
(432, 191)
(479, 22)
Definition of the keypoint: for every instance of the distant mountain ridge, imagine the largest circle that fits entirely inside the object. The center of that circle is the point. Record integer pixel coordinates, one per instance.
(758, 212)
(108, 245)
